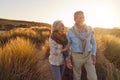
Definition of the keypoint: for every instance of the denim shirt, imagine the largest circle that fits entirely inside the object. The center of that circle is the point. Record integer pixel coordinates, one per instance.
(74, 42)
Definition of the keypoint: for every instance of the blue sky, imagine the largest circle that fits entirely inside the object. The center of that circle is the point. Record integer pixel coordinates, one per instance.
(98, 13)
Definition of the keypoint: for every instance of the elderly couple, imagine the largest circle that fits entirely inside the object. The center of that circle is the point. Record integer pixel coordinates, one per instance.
(80, 42)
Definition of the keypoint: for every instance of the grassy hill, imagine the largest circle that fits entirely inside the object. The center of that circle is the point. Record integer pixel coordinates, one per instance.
(7, 24)
(24, 54)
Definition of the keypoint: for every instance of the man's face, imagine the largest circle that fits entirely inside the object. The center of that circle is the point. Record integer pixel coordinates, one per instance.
(79, 19)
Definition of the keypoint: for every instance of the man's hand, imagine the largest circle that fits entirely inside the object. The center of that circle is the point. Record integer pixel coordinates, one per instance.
(69, 64)
(94, 59)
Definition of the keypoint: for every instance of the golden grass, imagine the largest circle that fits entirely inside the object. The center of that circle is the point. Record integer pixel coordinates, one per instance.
(19, 61)
(37, 36)
(108, 46)
(112, 48)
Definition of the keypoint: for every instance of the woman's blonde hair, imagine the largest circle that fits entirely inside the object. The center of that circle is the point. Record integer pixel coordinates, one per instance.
(56, 25)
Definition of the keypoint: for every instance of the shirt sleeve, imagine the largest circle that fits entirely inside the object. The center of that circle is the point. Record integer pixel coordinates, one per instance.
(69, 44)
(93, 42)
(68, 37)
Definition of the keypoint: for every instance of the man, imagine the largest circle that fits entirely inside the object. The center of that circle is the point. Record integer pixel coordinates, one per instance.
(83, 48)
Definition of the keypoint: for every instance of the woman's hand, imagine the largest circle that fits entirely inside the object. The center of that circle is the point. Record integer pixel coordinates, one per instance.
(65, 49)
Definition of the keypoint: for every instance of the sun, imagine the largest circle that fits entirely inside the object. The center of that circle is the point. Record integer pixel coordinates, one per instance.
(100, 17)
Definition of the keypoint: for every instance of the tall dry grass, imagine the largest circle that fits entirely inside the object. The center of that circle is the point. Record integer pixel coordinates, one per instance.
(107, 48)
(112, 51)
(19, 61)
(36, 35)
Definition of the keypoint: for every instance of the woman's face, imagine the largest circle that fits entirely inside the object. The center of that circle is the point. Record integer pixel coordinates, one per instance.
(61, 28)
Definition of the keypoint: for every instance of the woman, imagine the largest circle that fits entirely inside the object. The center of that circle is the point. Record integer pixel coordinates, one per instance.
(57, 41)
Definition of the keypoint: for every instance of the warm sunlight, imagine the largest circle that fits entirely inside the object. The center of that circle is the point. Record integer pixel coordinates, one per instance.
(33, 43)
(98, 13)
(95, 16)
(101, 17)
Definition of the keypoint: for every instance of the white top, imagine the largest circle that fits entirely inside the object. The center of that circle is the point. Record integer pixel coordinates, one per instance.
(56, 57)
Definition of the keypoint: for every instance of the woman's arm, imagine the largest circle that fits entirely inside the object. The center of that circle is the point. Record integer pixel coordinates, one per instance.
(65, 49)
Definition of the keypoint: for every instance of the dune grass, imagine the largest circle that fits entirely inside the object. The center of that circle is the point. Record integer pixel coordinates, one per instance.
(112, 50)
(107, 50)
(19, 57)
(37, 36)
(22, 54)
(19, 61)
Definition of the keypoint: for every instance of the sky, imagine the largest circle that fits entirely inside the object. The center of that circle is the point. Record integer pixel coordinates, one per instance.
(98, 13)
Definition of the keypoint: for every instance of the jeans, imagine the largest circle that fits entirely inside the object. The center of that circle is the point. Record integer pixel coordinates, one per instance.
(57, 71)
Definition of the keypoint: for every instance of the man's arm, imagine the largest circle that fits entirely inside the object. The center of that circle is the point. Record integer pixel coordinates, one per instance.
(93, 42)
(68, 60)
(69, 44)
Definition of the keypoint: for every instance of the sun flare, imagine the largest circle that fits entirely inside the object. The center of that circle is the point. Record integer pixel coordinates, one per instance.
(95, 16)
(101, 17)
